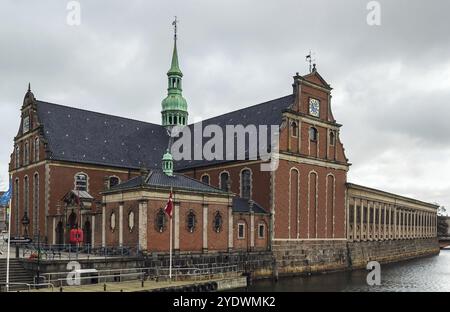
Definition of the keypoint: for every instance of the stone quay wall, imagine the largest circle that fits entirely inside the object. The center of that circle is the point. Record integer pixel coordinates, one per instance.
(303, 257)
(390, 250)
(288, 258)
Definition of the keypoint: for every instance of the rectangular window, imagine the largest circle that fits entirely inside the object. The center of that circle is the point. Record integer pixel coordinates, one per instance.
(261, 230)
(241, 230)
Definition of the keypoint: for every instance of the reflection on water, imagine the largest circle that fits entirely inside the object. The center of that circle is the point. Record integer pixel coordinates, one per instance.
(424, 274)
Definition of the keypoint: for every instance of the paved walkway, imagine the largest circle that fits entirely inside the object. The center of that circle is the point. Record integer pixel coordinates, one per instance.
(130, 286)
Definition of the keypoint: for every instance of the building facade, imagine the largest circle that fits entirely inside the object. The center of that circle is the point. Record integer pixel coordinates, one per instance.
(74, 168)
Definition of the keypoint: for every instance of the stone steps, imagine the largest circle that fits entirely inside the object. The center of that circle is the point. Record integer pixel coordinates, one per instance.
(17, 273)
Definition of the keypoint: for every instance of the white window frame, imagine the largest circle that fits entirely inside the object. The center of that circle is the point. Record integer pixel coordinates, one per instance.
(264, 230)
(243, 231)
(206, 175)
(75, 180)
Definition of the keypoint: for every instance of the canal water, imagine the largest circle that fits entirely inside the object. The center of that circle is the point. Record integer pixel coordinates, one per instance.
(419, 275)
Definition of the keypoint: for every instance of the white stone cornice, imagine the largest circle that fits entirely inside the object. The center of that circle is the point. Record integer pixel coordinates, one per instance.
(314, 162)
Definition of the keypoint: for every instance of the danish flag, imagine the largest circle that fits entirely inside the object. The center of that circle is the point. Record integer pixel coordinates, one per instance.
(169, 206)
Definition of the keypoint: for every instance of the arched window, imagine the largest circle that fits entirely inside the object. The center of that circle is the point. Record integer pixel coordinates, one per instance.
(112, 222)
(17, 161)
(205, 179)
(225, 181)
(36, 204)
(113, 181)
(294, 129)
(332, 138)
(218, 222)
(131, 220)
(36, 149)
(26, 195)
(16, 204)
(313, 134)
(246, 183)
(81, 182)
(160, 221)
(191, 221)
(26, 154)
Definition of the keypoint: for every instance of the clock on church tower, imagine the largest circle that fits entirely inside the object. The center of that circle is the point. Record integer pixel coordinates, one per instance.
(314, 107)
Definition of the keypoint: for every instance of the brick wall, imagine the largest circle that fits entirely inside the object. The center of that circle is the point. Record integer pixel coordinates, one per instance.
(311, 215)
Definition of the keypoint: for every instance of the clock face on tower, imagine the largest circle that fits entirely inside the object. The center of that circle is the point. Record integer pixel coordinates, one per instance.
(314, 107)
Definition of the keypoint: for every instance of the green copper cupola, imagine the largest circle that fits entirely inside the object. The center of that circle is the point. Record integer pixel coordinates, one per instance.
(167, 164)
(174, 106)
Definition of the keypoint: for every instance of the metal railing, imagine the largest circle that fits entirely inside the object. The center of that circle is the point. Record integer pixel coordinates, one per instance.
(70, 252)
(14, 287)
(155, 274)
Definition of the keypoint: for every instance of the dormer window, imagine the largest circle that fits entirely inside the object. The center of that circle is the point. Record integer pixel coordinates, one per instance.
(313, 134)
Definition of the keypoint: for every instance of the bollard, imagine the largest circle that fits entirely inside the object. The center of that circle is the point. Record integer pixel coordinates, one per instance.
(142, 283)
(60, 289)
(104, 287)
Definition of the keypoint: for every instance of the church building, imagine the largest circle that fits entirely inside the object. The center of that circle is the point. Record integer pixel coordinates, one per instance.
(112, 176)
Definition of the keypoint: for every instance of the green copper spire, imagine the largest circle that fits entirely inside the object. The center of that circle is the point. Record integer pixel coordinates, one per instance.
(175, 67)
(174, 106)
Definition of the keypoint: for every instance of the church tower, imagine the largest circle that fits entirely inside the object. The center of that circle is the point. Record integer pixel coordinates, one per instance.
(174, 106)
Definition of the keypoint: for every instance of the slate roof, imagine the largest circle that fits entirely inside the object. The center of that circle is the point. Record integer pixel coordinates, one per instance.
(157, 178)
(82, 136)
(268, 113)
(242, 205)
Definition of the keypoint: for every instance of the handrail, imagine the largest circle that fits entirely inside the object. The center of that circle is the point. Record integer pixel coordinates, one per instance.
(29, 285)
(145, 273)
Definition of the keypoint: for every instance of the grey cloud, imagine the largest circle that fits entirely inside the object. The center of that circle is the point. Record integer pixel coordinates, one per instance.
(238, 53)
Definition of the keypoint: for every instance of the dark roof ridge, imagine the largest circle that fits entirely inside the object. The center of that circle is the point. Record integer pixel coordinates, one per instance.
(98, 113)
(198, 181)
(243, 108)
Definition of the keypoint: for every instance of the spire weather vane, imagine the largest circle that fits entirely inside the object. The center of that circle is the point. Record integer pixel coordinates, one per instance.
(175, 24)
(310, 59)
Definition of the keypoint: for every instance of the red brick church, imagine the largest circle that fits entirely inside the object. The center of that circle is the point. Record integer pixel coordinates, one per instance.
(112, 176)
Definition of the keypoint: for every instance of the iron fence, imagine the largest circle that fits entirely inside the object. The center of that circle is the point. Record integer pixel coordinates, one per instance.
(73, 252)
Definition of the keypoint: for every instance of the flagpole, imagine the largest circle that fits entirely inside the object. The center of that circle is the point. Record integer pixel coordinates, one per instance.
(170, 252)
(9, 244)
(170, 245)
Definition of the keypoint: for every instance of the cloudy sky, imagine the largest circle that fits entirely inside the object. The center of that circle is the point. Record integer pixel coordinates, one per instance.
(391, 82)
